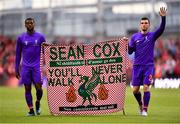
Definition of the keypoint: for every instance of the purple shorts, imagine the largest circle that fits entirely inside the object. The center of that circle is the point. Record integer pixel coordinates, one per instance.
(30, 75)
(142, 74)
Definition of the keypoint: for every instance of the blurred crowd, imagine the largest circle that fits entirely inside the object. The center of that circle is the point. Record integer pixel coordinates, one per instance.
(167, 59)
(7, 59)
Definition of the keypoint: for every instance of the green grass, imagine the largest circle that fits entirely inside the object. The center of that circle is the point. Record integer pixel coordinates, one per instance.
(164, 108)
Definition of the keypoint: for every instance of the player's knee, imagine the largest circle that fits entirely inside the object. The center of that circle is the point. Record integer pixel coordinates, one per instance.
(146, 88)
(38, 86)
(135, 89)
(27, 88)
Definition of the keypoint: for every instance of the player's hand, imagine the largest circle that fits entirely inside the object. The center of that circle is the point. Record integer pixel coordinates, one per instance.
(125, 38)
(163, 11)
(17, 75)
(45, 44)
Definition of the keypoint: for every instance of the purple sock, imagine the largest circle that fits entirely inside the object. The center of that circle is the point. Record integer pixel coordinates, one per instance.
(28, 97)
(138, 98)
(146, 100)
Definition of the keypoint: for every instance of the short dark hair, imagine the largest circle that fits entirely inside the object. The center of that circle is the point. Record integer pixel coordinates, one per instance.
(145, 18)
(29, 18)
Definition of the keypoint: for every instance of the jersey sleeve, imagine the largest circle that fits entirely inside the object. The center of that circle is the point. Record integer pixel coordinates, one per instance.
(160, 30)
(42, 41)
(18, 54)
(131, 45)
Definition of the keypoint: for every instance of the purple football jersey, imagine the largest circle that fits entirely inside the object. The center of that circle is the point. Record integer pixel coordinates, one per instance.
(29, 47)
(143, 45)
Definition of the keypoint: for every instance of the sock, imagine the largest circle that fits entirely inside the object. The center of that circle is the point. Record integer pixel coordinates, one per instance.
(28, 97)
(39, 94)
(138, 98)
(37, 105)
(146, 100)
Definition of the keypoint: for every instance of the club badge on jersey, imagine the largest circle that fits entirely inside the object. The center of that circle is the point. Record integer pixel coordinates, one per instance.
(26, 43)
(36, 43)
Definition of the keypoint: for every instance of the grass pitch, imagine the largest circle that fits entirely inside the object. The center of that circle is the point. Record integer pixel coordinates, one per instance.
(164, 108)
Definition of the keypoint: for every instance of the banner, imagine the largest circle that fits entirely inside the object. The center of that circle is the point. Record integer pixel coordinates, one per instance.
(86, 79)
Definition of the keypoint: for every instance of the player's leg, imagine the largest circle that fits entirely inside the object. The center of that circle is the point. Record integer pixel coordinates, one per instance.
(146, 99)
(28, 97)
(148, 78)
(136, 82)
(38, 86)
(26, 80)
(138, 96)
(39, 93)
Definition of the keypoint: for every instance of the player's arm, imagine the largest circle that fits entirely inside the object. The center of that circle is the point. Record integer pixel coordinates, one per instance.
(160, 30)
(43, 44)
(18, 57)
(131, 46)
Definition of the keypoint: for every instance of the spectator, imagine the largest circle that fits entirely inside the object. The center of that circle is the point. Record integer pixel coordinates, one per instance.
(177, 69)
(169, 67)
